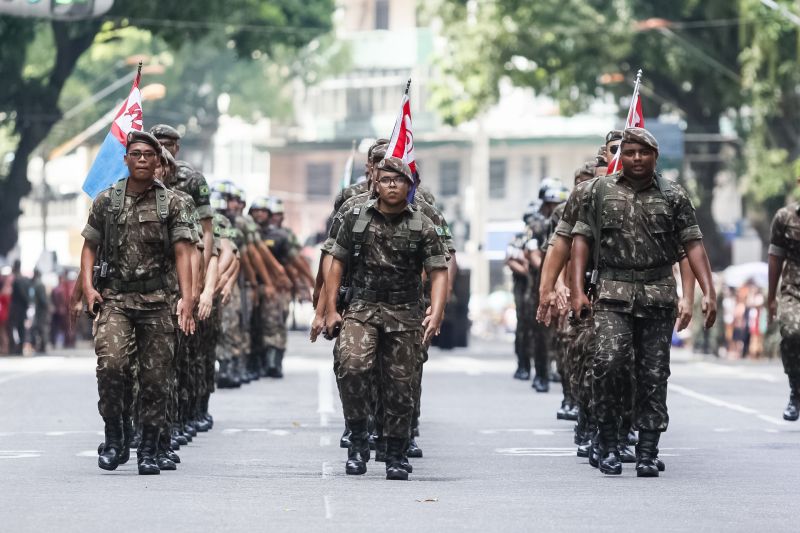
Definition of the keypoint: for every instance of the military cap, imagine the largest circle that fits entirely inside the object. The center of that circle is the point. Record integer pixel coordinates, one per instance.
(396, 165)
(555, 194)
(378, 153)
(166, 131)
(275, 206)
(377, 143)
(143, 137)
(613, 135)
(640, 136)
(587, 168)
(166, 156)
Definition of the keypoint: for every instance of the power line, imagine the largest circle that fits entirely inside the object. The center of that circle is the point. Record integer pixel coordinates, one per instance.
(208, 25)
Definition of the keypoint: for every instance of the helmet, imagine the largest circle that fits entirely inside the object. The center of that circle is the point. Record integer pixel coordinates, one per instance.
(276, 205)
(225, 188)
(261, 202)
(547, 183)
(531, 210)
(218, 202)
(556, 195)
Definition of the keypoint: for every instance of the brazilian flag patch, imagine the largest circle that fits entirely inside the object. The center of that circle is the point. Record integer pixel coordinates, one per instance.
(204, 190)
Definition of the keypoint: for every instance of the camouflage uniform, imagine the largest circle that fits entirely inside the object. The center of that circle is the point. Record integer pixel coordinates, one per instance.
(521, 288)
(274, 313)
(784, 243)
(382, 327)
(135, 317)
(537, 335)
(229, 349)
(249, 305)
(641, 236)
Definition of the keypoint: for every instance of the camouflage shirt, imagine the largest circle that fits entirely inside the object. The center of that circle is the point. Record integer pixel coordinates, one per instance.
(552, 224)
(223, 229)
(139, 235)
(279, 242)
(440, 224)
(347, 193)
(784, 242)
(194, 184)
(387, 261)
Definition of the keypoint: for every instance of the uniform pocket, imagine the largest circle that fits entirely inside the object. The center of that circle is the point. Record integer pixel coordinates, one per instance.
(615, 292)
(613, 213)
(150, 227)
(660, 296)
(659, 216)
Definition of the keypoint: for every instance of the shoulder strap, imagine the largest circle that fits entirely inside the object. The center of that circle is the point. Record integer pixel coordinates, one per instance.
(415, 229)
(114, 209)
(665, 187)
(162, 208)
(599, 191)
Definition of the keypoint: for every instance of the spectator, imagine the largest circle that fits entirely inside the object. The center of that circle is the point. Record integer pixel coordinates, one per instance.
(41, 315)
(60, 332)
(5, 305)
(20, 299)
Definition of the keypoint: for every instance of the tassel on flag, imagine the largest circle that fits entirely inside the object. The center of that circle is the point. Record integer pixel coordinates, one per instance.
(108, 166)
(635, 119)
(401, 144)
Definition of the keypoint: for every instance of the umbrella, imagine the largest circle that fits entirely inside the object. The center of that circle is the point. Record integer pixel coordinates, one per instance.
(738, 275)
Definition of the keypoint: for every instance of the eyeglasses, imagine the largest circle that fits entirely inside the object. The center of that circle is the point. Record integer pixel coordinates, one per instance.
(386, 180)
(136, 155)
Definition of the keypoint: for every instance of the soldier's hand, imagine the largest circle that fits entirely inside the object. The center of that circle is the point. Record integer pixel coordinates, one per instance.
(75, 310)
(333, 321)
(581, 306)
(433, 326)
(317, 325)
(772, 311)
(284, 282)
(269, 292)
(547, 303)
(185, 318)
(204, 305)
(562, 297)
(684, 314)
(709, 311)
(226, 295)
(93, 300)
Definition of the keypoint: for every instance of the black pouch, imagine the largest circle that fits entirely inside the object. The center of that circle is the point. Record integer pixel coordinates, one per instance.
(343, 299)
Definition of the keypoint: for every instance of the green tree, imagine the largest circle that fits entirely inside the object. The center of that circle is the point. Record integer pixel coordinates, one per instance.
(574, 51)
(38, 58)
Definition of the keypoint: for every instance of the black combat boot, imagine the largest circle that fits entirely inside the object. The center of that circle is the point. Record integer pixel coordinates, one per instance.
(626, 455)
(647, 461)
(200, 422)
(395, 452)
(224, 378)
(541, 384)
(189, 429)
(610, 463)
(561, 414)
(414, 451)
(163, 459)
(111, 450)
(344, 441)
(278, 372)
(179, 437)
(594, 449)
(148, 448)
(261, 359)
(358, 452)
(792, 410)
(572, 412)
(128, 432)
(523, 369)
(380, 449)
(204, 410)
(137, 437)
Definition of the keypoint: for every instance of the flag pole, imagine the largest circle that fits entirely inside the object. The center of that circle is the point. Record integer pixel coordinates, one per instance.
(631, 109)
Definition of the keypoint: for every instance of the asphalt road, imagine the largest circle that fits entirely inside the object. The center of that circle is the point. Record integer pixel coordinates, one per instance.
(496, 458)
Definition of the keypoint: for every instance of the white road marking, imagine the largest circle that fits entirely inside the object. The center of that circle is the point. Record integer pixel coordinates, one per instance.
(734, 372)
(537, 452)
(326, 470)
(725, 404)
(542, 432)
(328, 510)
(20, 454)
(324, 395)
(87, 453)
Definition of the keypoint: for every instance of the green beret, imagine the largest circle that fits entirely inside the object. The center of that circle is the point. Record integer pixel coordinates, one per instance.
(143, 137)
(165, 131)
(640, 136)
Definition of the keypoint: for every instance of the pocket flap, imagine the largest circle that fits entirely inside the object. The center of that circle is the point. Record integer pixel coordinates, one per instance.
(615, 291)
(148, 216)
(660, 296)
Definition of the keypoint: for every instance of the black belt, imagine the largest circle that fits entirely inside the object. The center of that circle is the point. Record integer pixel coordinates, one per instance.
(139, 285)
(389, 297)
(632, 275)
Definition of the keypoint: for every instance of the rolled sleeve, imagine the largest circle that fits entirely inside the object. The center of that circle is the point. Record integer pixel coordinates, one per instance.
(692, 233)
(180, 233)
(435, 262)
(583, 229)
(777, 251)
(564, 229)
(91, 234)
(339, 252)
(204, 212)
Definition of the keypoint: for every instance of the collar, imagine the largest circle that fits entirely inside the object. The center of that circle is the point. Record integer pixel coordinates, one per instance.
(619, 177)
(372, 203)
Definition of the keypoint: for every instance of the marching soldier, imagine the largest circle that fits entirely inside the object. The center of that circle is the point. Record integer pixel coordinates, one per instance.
(387, 246)
(139, 227)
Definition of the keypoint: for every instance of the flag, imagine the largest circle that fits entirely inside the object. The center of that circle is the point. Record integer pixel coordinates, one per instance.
(635, 119)
(401, 143)
(108, 166)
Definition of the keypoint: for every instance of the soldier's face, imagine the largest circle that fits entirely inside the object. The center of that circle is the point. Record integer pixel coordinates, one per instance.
(611, 149)
(142, 161)
(392, 187)
(171, 145)
(638, 160)
(276, 219)
(261, 216)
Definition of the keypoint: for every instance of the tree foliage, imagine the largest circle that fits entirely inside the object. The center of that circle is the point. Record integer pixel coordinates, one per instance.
(709, 61)
(39, 58)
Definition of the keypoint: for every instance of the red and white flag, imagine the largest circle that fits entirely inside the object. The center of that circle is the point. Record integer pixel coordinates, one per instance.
(401, 143)
(635, 119)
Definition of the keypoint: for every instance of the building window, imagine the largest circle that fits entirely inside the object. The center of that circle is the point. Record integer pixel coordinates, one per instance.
(449, 177)
(319, 177)
(359, 102)
(497, 179)
(381, 14)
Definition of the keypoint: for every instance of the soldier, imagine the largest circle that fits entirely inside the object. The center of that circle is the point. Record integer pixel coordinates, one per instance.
(520, 269)
(139, 226)
(387, 245)
(784, 267)
(638, 222)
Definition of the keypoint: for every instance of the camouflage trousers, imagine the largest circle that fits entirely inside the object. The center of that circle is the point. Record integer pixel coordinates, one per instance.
(581, 348)
(147, 337)
(561, 338)
(789, 306)
(521, 333)
(208, 337)
(383, 342)
(627, 346)
(232, 337)
(273, 314)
